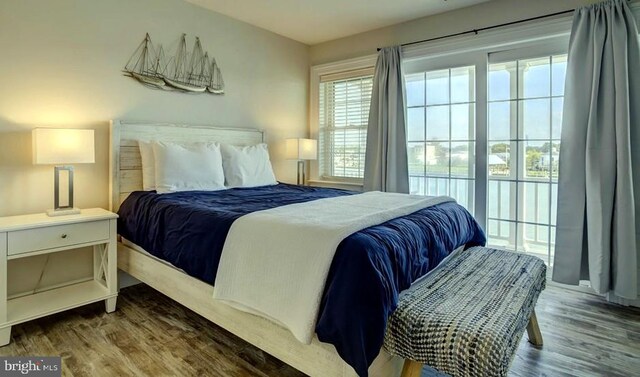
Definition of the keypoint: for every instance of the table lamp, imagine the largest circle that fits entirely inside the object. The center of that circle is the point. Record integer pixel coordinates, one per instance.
(61, 147)
(302, 150)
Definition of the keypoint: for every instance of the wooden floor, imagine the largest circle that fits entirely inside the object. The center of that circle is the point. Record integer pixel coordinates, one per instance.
(151, 335)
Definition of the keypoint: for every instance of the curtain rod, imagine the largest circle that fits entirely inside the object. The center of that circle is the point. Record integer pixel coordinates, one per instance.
(476, 31)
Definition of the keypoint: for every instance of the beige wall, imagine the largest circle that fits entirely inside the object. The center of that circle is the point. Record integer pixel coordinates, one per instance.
(475, 17)
(61, 64)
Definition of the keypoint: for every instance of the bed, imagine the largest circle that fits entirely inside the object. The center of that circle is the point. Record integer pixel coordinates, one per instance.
(351, 320)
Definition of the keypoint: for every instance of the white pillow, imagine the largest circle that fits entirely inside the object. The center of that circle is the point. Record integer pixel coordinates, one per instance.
(196, 166)
(247, 166)
(148, 166)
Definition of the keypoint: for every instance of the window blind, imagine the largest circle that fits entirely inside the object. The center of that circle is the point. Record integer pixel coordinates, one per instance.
(344, 115)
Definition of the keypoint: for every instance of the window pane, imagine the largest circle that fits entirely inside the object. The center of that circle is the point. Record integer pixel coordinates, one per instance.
(534, 206)
(501, 233)
(438, 123)
(462, 159)
(502, 120)
(558, 74)
(499, 159)
(556, 117)
(416, 154)
(535, 78)
(437, 158)
(535, 240)
(493, 199)
(501, 200)
(463, 84)
(415, 123)
(349, 156)
(415, 89)
(462, 191)
(438, 87)
(555, 159)
(417, 185)
(535, 117)
(437, 186)
(463, 119)
(502, 81)
(554, 204)
(537, 160)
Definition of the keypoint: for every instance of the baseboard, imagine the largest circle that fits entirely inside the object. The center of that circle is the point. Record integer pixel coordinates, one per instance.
(586, 289)
(622, 301)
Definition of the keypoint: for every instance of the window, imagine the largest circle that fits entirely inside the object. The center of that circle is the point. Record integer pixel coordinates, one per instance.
(525, 119)
(343, 113)
(441, 133)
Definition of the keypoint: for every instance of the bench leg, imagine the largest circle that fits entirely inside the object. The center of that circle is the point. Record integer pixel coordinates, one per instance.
(411, 369)
(533, 330)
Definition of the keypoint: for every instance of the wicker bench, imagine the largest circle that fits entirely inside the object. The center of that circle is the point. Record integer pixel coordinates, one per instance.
(466, 318)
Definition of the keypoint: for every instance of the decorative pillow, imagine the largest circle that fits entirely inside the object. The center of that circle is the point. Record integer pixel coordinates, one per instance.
(247, 166)
(148, 166)
(196, 166)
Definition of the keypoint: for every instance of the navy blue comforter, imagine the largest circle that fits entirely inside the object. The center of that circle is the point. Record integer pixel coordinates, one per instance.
(369, 270)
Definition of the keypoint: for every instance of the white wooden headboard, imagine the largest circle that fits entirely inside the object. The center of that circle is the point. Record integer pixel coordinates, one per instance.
(125, 167)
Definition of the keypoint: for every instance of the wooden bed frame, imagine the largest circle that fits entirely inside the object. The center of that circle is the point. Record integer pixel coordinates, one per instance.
(315, 359)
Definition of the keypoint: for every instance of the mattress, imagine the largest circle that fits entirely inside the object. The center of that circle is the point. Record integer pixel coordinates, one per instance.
(369, 270)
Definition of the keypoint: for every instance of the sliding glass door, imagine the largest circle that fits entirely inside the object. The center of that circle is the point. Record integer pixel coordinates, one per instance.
(484, 128)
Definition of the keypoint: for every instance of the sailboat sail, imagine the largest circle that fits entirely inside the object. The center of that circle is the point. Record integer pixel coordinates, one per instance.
(216, 85)
(183, 75)
(184, 71)
(143, 64)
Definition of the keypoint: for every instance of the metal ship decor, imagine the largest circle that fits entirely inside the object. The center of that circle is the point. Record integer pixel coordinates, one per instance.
(189, 72)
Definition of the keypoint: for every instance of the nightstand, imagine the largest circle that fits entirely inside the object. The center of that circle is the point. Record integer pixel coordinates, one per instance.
(38, 234)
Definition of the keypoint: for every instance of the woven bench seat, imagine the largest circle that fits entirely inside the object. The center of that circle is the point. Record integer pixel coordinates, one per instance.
(466, 317)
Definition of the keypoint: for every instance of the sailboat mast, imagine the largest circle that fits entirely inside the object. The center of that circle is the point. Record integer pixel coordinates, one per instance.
(179, 56)
(196, 58)
(158, 57)
(204, 70)
(213, 72)
(145, 50)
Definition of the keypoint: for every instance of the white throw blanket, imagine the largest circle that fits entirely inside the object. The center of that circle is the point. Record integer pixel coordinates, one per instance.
(275, 262)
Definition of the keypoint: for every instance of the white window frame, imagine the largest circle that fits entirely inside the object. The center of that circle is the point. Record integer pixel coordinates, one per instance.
(341, 67)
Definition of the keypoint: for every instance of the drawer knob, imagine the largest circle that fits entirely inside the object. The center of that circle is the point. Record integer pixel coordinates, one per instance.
(64, 236)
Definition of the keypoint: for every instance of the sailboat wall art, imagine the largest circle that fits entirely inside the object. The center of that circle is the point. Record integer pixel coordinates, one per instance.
(184, 71)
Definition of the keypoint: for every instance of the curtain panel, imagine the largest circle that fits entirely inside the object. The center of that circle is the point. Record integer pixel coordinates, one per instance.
(598, 223)
(386, 161)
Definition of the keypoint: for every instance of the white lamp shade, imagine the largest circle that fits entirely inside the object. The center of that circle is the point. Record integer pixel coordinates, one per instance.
(302, 149)
(63, 146)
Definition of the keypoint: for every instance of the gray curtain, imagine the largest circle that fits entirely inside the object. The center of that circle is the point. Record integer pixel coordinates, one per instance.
(386, 167)
(599, 185)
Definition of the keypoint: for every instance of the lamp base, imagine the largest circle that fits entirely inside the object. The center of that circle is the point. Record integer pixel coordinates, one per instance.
(301, 168)
(63, 212)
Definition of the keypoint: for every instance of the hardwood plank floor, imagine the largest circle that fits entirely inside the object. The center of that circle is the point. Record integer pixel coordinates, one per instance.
(151, 335)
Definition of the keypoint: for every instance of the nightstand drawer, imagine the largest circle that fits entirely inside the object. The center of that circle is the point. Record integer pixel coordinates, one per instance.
(24, 241)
